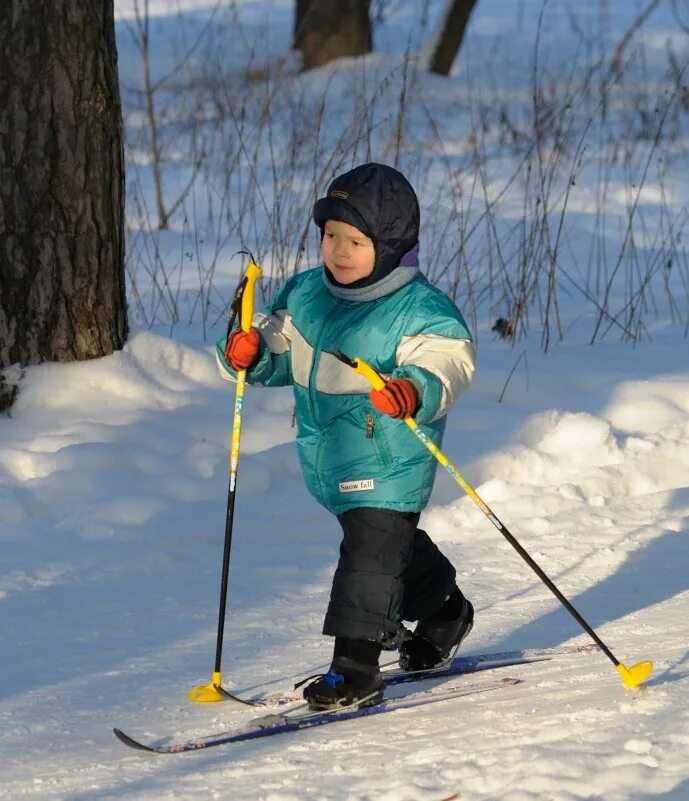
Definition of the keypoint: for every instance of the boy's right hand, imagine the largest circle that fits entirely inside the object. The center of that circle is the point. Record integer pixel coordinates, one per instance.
(242, 349)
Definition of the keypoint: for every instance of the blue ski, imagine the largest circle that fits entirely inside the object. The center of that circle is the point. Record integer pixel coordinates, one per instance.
(475, 663)
(460, 665)
(270, 725)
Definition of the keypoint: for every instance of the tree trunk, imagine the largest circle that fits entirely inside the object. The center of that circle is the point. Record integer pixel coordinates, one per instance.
(301, 8)
(329, 29)
(62, 289)
(451, 35)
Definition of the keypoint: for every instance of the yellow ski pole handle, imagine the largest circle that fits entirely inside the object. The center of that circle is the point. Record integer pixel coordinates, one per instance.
(631, 677)
(252, 274)
(374, 378)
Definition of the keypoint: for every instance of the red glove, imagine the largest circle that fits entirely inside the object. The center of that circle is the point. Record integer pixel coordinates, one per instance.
(398, 398)
(242, 349)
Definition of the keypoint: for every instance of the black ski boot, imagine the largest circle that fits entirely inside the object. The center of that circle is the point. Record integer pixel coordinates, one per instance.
(438, 635)
(354, 676)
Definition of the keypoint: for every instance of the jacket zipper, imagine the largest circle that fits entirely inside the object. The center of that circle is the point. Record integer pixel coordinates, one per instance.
(379, 439)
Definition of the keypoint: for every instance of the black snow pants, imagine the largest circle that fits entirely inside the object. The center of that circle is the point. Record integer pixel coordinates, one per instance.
(389, 571)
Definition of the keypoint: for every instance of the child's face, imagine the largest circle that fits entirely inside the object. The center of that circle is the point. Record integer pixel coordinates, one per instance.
(347, 253)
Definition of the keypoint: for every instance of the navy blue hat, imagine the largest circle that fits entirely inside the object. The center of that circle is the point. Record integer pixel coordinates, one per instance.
(381, 203)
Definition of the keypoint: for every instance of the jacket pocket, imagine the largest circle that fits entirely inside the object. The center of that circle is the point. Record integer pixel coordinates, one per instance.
(375, 433)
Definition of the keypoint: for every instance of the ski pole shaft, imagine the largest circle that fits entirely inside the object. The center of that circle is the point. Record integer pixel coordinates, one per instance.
(229, 516)
(631, 677)
(488, 512)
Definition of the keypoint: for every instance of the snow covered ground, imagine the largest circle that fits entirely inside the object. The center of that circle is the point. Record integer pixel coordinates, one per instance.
(113, 478)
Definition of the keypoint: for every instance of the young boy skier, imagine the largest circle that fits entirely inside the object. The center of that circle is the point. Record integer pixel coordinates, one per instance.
(368, 300)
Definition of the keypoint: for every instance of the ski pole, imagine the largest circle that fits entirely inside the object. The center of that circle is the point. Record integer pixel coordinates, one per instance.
(242, 303)
(632, 676)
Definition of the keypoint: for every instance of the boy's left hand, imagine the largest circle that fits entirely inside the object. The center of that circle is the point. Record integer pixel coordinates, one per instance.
(398, 398)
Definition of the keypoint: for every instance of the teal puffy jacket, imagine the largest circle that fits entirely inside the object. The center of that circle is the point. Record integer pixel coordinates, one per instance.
(351, 455)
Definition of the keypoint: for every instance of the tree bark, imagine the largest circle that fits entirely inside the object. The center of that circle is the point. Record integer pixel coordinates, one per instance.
(301, 8)
(451, 35)
(62, 288)
(329, 29)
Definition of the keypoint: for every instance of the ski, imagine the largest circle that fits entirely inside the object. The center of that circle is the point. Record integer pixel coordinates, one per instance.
(458, 666)
(270, 725)
(474, 664)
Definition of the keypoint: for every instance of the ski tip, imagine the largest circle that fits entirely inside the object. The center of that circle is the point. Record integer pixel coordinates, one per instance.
(127, 740)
